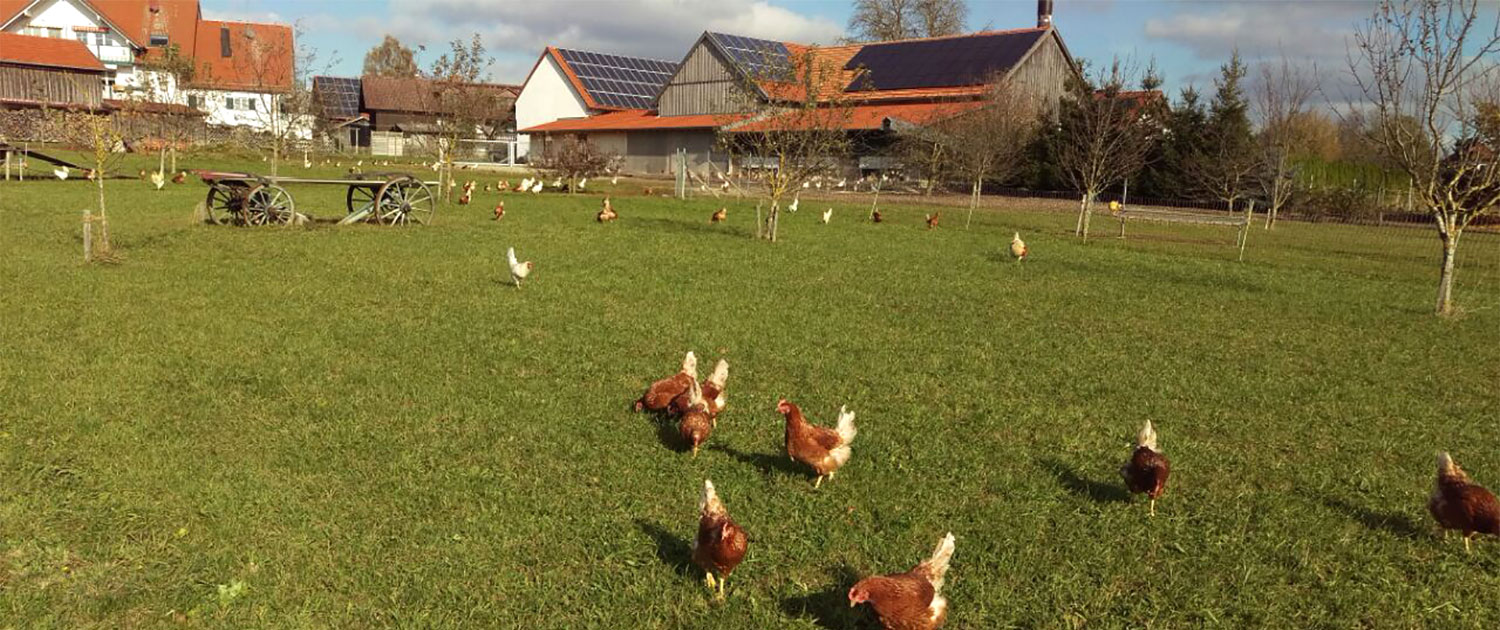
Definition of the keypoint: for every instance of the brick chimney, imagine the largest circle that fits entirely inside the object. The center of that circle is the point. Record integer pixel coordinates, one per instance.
(1043, 13)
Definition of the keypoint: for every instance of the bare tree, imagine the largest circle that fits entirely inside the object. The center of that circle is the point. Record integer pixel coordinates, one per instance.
(277, 67)
(463, 102)
(574, 159)
(1105, 134)
(391, 58)
(1433, 62)
(1285, 90)
(989, 142)
(793, 131)
(886, 20)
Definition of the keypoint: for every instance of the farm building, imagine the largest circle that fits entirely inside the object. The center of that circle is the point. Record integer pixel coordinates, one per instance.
(720, 86)
(236, 73)
(404, 116)
(43, 72)
(576, 84)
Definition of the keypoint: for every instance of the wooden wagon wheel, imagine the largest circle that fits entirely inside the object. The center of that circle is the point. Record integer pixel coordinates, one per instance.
(360, 198)
(226, 203)
(404, 200)
(268, 203)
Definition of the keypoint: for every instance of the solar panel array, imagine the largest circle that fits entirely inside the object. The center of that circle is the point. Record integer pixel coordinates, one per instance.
(338, 96)
(615, 81)
(759, 58)
(932, 63)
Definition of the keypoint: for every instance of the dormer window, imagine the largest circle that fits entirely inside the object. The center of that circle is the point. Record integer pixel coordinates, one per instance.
(224, 50)
(159, 39)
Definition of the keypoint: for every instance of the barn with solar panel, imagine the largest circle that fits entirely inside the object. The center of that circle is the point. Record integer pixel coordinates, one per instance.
(568, 84)
(890, 86)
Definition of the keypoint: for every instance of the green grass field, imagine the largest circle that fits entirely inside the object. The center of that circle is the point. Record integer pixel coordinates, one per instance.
(359, 427)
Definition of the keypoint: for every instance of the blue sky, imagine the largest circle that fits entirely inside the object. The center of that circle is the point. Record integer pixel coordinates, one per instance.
(1188, 39)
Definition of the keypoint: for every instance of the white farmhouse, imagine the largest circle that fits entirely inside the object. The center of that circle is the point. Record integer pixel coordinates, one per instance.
(237, 73)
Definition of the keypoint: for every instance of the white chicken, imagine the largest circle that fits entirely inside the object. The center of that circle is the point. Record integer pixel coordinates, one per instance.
(61, 173)
(795, 201)
(1018, 247)
(537, 189)
(557, 183)
(518, 270)
(827, 214)
(614, 181)
(583, 183)
(158, 179)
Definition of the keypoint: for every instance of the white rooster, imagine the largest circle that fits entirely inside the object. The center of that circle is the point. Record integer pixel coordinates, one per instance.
(158, 179)
(827, 214)
(518, 270)
(537, 189)
(795, 201)
(61, 173)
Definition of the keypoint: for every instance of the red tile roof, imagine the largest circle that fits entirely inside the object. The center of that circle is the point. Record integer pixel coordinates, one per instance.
(260, 60)
(860, 118)
(45, 51)
(636, 120)
(135, 19)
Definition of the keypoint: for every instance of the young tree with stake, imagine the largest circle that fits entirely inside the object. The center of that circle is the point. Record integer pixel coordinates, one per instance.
(1104, 135)
(1432, 62)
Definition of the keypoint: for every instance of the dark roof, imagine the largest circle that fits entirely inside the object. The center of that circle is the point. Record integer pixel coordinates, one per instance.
(414, 95)
(337, 97)
(760, 59)
(614, 81)
(941, 62)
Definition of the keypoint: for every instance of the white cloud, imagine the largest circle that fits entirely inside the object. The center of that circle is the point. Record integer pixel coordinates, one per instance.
(1312, 30)
(515, 31)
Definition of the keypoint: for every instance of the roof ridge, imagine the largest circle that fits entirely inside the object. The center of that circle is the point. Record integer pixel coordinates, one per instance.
(1010, 31)
(560, 48)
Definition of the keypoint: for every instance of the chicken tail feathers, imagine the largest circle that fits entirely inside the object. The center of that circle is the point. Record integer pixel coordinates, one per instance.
(846, 428)
(720, 374)
(510, 256)
(937, 565)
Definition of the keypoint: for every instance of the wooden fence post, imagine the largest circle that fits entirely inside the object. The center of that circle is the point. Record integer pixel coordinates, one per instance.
(1245, 228)
(88, 235)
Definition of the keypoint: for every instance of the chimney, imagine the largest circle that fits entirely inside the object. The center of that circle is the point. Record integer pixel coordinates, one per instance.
(1043, 13)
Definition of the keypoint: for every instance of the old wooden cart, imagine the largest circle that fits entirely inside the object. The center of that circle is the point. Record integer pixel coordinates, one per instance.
(249, 199)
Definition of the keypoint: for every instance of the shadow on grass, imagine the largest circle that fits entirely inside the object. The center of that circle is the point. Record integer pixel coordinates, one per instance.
(1395, 523)
(666, 432)
(1096, 491)
(670, 550)
(767, 463)
(693, 227)
(828, 608)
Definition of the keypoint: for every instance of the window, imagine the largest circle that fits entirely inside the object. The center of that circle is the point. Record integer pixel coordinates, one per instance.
(195, 101)
(158, 39)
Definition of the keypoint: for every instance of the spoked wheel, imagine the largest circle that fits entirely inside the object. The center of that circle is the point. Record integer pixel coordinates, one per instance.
(404, 200)
(360, 198)
(226, 204)
(268, 204)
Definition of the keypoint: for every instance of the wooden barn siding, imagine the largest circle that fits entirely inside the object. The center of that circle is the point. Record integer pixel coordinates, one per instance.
(1044, 74)
(703, 85)
(52, 86)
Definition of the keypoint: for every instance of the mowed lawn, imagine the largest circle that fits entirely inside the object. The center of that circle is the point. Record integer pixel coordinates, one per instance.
(358, 427)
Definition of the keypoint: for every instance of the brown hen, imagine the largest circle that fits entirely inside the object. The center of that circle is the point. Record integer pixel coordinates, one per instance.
(912, 600)
(720, 544)
(1460, 504)
(660, 394)
(1148, 469)
(823, 449)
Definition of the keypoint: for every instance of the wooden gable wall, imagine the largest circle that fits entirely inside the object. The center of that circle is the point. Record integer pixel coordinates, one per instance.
(704, 84)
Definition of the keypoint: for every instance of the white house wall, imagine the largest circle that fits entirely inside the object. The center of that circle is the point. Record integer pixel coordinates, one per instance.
(547, 96)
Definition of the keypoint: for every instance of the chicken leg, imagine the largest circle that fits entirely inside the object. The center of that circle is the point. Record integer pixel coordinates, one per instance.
(722, 582)
(817, 483)
(1466, 543)
(708, 580)
(1153, 507)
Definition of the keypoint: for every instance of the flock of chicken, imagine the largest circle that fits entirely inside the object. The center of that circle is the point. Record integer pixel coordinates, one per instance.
(913, 600)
